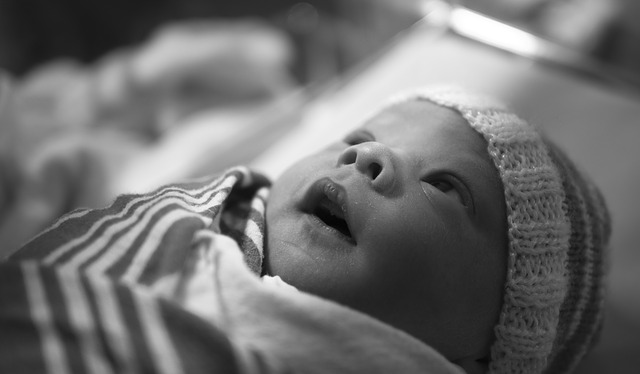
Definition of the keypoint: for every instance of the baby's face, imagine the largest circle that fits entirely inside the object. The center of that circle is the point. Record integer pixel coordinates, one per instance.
(403, 220)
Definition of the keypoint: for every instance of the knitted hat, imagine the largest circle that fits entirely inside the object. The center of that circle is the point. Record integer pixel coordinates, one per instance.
(558, 231)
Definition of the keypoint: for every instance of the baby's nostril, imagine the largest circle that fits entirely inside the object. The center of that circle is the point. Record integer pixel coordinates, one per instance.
(374, 170)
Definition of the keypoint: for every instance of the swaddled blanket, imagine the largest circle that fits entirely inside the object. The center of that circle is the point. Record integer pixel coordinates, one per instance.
(159, 283)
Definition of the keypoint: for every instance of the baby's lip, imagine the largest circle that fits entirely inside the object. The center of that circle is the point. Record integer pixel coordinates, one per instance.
(323, 188)
(329, 197)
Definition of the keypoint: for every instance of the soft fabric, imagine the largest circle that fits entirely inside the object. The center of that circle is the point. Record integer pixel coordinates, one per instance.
(159, 283)
(558, 231)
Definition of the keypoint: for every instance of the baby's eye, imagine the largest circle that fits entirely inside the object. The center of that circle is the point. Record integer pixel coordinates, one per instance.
(359, 136)
(443, 186)
(448, 188)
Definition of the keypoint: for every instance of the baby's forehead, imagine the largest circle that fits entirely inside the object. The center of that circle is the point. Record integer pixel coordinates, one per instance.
(428, 127)
(417, 116)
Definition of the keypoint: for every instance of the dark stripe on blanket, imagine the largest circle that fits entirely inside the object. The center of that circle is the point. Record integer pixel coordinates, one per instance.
(126, 260)
(135, 218)
(172, 250)
(20, 346)
(168, 244)
(99, 330)
(61, 321)
(248, 248)
(110, 216)
(132, 324)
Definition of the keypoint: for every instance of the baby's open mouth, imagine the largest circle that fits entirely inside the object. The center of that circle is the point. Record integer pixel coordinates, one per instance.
(333, 216)
(325, 203)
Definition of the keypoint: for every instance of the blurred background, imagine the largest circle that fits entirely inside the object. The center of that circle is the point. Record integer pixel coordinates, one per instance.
(329, 36)
(100, 98)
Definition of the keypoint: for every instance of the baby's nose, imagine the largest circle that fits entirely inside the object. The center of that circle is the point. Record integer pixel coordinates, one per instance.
(374, 160)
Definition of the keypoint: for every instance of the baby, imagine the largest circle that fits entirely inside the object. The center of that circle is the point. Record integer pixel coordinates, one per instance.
(463, 232)
(455, 221)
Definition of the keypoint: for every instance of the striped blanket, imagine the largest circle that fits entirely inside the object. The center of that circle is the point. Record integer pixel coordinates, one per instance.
(168, 282)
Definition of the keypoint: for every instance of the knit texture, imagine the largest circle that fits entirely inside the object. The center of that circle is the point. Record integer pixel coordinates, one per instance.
(558, 231)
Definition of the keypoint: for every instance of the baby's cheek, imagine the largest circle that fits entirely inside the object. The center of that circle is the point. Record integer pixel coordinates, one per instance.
(396, 246)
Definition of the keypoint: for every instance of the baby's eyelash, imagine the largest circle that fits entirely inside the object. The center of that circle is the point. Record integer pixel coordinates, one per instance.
(451, 183)
(442, 185)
